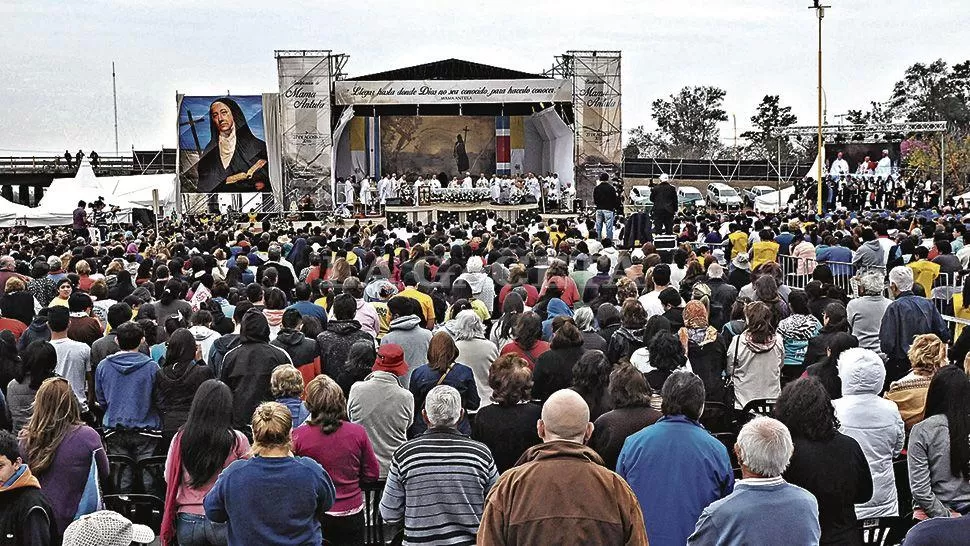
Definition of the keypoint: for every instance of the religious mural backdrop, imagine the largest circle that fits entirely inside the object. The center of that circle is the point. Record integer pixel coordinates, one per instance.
(438, 144)
(222, 144)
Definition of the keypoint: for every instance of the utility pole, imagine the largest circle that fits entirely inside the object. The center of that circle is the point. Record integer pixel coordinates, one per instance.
(820, 12)
(114, 94)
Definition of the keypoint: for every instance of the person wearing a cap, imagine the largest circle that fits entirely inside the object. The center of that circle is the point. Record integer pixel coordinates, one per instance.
(106, 528)
(740, 274)
(382, 406)
(26, 518)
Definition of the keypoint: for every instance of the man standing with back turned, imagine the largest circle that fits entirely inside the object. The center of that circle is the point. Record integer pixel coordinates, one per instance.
(606, 202)
(664, 199)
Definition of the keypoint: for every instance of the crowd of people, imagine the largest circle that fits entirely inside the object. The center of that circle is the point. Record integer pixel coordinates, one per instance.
(496, 383)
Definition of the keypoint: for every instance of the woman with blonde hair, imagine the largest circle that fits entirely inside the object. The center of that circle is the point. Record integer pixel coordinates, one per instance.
(83, 270)
(442, 369)
(273, 498)
(59, 449)
(345, 452)
(926, 355)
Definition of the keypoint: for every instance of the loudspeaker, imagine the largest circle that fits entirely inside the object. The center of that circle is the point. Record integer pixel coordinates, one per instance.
(665, 241)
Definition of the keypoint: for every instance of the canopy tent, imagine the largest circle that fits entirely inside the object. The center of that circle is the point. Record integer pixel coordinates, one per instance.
(10, 212)
(769, 202)
(124, 192)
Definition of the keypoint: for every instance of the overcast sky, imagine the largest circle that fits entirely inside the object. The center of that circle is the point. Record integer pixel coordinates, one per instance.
(55, 56)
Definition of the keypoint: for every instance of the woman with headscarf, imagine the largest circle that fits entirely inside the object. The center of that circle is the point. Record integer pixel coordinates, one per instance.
(298, 254)
(483, 288)
(475, 351)
(123, 286)
(555, 308)
(704, 348)
(592, 341)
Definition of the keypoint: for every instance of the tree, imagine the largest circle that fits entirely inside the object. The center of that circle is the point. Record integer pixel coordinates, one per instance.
(878, 113)
(641, 144)
(934, 92)
(686, 124)
(923, 158)
(769, 119)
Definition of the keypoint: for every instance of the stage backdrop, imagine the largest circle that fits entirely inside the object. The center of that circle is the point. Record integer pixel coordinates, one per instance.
(435, 144)
(222, 144)
(598, 118)
(306, 125)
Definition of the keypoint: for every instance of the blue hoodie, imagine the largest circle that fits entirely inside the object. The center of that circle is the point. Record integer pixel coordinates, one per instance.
(124, 383)
(555, 308)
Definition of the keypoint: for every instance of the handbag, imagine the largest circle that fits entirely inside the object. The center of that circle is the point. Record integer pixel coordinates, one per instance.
(91, 496)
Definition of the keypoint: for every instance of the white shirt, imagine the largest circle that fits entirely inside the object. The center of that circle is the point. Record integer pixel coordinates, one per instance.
(651, 303)
(73, 364)
(467, 182)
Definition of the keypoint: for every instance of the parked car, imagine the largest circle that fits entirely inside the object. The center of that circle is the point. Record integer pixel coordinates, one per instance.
(640, 197)
(755, 192)
(722, 195)
(690, 197)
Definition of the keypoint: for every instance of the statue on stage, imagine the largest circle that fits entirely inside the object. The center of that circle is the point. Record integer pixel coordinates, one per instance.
(234, 159)
(461, 156)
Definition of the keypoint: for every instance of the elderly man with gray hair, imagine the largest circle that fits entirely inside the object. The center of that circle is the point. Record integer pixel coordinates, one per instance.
(865, 312)
(437, 482)
(764, 508)
(906, 317)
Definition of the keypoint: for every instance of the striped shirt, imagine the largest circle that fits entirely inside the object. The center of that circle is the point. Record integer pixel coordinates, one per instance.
(438, 482)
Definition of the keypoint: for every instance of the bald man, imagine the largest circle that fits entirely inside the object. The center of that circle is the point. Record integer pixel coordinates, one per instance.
(560, 492)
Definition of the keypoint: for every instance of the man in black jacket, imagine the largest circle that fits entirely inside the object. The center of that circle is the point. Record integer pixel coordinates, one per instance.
(664, 199)
(723, 295)
(607, 202)
(25, 515)
(247, 368)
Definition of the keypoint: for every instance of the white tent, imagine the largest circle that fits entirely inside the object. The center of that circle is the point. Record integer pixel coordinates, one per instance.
(10, 212)
(769, 202)
(124, 192)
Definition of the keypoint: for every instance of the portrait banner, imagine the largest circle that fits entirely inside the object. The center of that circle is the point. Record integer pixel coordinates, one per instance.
(307, 140)
(451, 91)
(222, 144)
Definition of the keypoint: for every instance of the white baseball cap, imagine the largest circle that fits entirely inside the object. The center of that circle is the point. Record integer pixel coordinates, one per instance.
(664, 177)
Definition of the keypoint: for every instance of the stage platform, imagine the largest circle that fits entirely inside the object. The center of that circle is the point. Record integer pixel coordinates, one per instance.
(462, 211)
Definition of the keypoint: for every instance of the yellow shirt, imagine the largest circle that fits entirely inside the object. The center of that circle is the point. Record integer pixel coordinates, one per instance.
(925, 273)
(739, 243)
(960, 312)
(58, 301)
(427, 305)
(763, 251)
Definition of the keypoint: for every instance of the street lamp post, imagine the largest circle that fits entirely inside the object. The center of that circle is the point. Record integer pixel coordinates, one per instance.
(820, 11)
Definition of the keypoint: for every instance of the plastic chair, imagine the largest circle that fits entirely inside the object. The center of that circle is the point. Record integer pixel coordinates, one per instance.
(760, 406)
(880, 531)
(374, 523)
(718, 417)
(117, 465)
(139, 508)
(151, 472)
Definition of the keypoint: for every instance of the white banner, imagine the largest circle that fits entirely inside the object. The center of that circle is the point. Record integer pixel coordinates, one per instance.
(452, 91)
(305, 119)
